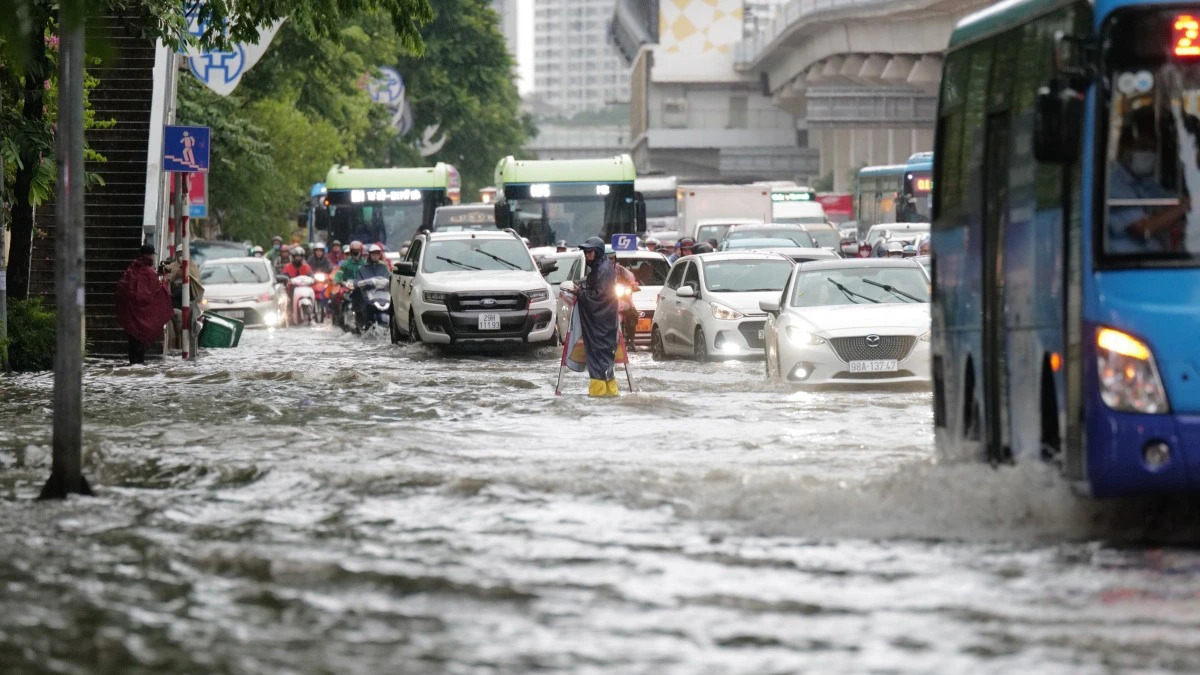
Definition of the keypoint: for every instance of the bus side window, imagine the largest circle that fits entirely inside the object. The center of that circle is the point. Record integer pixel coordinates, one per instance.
(950, 181)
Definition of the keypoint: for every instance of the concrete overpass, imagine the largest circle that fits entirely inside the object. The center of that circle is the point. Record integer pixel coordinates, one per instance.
(862, 75)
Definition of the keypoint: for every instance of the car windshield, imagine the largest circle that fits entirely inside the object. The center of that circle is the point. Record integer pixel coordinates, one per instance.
(764, 242)
(647, 271)
(825, 236)
(706, 232)
(1152, 162)
(801, 220)
(234, 273)
(860, 285)
(464, 220)
(746, 276)
(796, 235)
(458, 255)
(205, 251)
(563, 272)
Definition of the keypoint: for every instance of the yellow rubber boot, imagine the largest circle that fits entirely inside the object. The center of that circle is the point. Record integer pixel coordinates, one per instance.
(611, 387)
(597, 388)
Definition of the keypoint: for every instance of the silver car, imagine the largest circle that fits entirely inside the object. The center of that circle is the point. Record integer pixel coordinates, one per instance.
(244, 289)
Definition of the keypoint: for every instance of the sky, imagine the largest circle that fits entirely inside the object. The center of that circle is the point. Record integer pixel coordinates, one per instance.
(525, 45)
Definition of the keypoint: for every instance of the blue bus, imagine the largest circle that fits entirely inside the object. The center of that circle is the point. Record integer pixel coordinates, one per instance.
(1066, 246)
(916, 190)
(877, 192)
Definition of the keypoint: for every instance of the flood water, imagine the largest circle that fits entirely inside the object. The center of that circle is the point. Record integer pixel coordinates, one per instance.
(313, 502)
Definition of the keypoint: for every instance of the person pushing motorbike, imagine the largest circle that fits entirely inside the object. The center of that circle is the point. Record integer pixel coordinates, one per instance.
(597, 306)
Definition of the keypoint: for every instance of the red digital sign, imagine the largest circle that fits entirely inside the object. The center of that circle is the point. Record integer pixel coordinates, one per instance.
(1186, 36)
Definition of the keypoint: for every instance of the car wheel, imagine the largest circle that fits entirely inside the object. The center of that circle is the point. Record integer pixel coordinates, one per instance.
(658, 351)
(414, 331)
(700, 347)
(393, 329)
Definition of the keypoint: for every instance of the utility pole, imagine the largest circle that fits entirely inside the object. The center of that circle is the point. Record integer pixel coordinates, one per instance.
(66, 476)
(4, 367)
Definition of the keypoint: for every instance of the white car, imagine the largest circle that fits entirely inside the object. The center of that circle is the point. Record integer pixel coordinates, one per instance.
(801, 255)
(470, 287)
(570, 267)
(852, 321)
(716, 228)
(709, 305)
(244, 289)
(650, 269)
(882, 234)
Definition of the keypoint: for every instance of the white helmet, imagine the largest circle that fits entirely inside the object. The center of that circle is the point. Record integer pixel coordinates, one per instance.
(298, 250)
(319, 246)
(654, 241)
(375, 248)
(256, 249)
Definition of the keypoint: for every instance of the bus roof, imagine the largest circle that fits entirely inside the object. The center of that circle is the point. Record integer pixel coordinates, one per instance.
(922, 161)
(618, 169)
(1000, 17)
(345, 178)
(887, 170)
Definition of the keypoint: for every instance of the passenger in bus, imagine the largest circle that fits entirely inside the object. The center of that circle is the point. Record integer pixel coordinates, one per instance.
(1136, 228)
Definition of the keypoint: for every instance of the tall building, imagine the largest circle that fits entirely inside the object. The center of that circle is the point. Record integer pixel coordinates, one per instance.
(507, 11)
(576, 69)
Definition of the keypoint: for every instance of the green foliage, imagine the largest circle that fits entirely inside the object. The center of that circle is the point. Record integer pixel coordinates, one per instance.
(30, 342)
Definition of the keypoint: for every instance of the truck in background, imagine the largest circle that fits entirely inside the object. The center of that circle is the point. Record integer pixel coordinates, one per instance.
(711, 203)
(662, 201)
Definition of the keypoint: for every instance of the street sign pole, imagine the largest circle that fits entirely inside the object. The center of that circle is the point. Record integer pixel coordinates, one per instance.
(188, 353)
(66, 475)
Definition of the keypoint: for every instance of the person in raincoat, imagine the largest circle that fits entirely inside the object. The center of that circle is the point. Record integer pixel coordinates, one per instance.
(143, 304)
(597, 307)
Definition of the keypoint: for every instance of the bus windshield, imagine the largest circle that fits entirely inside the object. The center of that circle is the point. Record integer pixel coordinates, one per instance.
(1152, 145)
(390, 224)
(918, 197)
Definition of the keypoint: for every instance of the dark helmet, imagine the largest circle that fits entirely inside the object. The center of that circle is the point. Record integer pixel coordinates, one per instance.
(686, 242)
(593, 243)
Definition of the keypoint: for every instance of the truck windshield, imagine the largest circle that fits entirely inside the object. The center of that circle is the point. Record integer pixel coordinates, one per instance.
(660, 206)
(1153, 139)
(471, 255)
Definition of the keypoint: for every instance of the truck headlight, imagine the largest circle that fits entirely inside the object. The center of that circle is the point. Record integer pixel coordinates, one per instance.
(803, 338)
(725, 313)
(1129, 380)
(434, 297)
(538, 294)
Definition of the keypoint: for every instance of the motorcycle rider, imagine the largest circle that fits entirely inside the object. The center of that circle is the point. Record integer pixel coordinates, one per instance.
(652, 244)
(319, 261)
(684, 249)
(336, 256)
(597, 306)
(375, 267)
(346, 273)
(276, 255)
(625, 306)
(257, 252)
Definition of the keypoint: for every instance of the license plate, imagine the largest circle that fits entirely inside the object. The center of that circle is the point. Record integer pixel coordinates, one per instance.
(489, 322)
(878, 366)
(644, 325)
(762, 334)
(234, 313)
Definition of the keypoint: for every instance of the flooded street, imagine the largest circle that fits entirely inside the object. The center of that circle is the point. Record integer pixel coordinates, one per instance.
(314, 502)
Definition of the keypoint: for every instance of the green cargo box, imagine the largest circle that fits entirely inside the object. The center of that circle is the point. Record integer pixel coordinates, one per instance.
(220, 331)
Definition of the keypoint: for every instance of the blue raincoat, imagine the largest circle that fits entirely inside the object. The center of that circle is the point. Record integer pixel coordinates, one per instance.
(597, 307)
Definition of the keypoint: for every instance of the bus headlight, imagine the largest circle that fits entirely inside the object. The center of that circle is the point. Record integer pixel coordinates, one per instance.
(1129, 380)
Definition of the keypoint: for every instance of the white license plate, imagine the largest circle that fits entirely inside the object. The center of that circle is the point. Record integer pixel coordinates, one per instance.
(234, 313)
(878, 366)
(489, 322)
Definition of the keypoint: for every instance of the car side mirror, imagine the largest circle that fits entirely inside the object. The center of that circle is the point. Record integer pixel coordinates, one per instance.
(769, 306)
(686, 292)
(568, 286)
(282, 278)
(405, 268)
(547, 266)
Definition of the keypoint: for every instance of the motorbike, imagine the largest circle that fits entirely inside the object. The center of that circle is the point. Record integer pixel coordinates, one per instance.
(304, 299)
(376, 303)
(322, 290)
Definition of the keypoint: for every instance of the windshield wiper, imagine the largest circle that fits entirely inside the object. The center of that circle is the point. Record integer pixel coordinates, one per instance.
(894, 291)
(849, 293)
(756, 290)
(500, 260)
(460, 264)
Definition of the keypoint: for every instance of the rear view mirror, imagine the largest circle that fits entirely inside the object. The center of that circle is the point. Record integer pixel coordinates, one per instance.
(568, 286)
(547, 266)
(282, 278)
(1057, 124)
(686, 292)
(501, 213)
(405, 268)
(769, 306)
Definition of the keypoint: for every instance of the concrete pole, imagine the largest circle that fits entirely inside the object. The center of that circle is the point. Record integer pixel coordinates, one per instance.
(4, 367)
(66, 476)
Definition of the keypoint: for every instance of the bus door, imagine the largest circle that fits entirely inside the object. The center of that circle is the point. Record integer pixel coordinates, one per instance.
(995, 220)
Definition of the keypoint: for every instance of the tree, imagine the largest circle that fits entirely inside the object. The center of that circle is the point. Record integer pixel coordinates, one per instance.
(464, 83)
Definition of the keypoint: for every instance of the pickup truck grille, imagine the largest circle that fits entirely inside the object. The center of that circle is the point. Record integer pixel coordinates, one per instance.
(487, 301)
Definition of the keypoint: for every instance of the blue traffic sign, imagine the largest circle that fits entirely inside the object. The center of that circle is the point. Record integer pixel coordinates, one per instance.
(624, 242)
(185, 149)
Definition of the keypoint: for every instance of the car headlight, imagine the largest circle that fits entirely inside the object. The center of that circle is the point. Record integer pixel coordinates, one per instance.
(204, 302)
(1129, 380)
(265, 297)
(927, 336)
(725, 313)
(538, 294)
(803, 338)
(434, 297)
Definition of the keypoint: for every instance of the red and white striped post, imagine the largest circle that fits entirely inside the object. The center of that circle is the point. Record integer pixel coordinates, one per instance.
(185, 341)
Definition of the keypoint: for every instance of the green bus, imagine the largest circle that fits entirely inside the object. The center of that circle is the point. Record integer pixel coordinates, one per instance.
(547, 201)
(386, 206)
